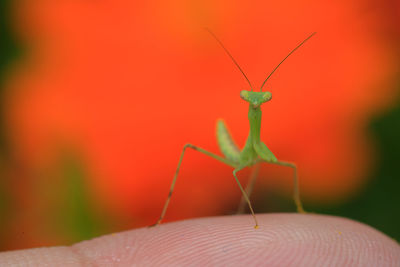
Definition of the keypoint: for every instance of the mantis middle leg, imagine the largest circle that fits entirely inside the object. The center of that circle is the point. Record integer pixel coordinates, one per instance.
(249, 188)
(224, 160)
(245, 195)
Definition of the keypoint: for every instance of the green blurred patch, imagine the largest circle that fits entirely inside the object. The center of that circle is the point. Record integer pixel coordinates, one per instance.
(379, 204)
(70, 211)
(9, 51)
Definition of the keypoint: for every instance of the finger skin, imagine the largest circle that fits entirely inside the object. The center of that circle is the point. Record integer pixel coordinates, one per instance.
(281, 240)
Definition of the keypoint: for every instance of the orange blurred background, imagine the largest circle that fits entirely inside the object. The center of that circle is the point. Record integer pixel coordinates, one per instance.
(104, 94)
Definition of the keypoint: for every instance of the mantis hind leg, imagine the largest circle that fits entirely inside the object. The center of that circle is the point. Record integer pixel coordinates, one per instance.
(245, 196)
(249, 188)
(296, 189)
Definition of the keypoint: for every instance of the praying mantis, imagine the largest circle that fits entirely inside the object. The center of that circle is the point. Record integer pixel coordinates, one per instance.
(253, 152)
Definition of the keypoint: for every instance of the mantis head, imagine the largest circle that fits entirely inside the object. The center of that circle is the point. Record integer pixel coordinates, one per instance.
(255, 98)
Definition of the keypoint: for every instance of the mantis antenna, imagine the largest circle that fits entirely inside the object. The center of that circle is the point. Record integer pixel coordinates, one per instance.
(291, 52)
(229, 54)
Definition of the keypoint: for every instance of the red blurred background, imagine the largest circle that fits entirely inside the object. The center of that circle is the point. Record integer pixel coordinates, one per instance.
(106, 93)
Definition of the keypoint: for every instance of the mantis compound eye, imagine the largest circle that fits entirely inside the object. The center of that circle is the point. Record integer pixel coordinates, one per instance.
(244, 95)
(267, 96)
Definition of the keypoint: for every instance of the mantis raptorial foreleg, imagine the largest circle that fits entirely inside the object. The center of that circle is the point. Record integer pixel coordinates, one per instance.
(171, 190)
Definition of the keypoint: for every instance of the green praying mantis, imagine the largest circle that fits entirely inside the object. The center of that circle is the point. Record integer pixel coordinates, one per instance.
(254, 151)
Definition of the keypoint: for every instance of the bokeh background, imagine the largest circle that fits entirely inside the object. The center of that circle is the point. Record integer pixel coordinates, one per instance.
(98, 98)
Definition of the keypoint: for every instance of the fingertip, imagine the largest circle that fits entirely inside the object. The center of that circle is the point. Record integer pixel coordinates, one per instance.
(278, 239)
